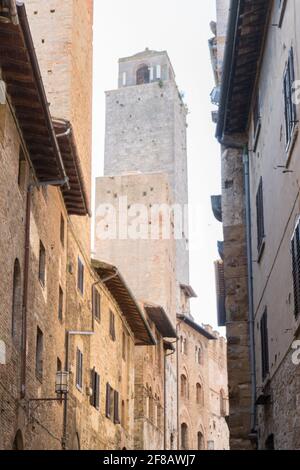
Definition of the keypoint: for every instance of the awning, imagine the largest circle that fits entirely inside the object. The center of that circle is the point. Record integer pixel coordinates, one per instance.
(196, 327)
(161, 320)
(188, 290)
(21, 74)
(118, 288)
(76, 197)
(52, 161)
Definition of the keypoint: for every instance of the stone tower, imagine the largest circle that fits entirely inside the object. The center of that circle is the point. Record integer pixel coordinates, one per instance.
(146, 133)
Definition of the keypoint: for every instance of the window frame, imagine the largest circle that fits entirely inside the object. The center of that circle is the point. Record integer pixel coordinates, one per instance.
(39, 353)
(42, 264)
(264, 338)
(95, 386)
(96, 303)
(80, 275)
(79, 370)
(290, 108)
(112, 325)
(260, 219)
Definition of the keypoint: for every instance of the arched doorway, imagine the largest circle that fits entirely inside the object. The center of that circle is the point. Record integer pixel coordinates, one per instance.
(18, 443)
(143, 75)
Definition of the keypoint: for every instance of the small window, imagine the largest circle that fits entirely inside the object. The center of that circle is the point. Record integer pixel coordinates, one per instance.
(124, 79)
(124, 346)
(96, 301)
(80, 276)
(184, 436)
(184, 386)
(158, 72)
(264, 345)
(42, 265)
(112, 331)
(199, 394)
(109, 408)
(79, 369)
(22, 170)
(295, 248)
(260, 217)
(39, 354)
(60, 303)
(95, 386)
(62, 230)
(289, 104)
(123, 414)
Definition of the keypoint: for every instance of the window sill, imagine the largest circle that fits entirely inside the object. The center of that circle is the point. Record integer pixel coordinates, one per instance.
(291, 144)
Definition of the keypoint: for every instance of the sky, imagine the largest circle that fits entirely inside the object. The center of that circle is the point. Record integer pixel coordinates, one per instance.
(125, 27)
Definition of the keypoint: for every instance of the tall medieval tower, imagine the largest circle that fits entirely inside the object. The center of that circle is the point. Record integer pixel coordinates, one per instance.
(146, 134)
(146, 164)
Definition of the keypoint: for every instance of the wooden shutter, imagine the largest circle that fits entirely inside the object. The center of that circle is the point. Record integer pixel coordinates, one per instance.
(116, 408)
(97, 391)
(260, 216)
(107, 405)
(296, 270)
(264, 345)
(92, 398)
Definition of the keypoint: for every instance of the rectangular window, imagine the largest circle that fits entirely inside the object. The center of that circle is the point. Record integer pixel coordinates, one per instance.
(80, 276)
(58, 365)
(289, 105)
(79, 368)
(60, 303)
(96, 302)
(264, 345)
(295, 248)
(124, 338)
(109, 408)
(42, 264)
(112, 331)
(158, 72)
(124, 79)
(62, 230)
(95, 385)
(260, 217)
(39, 353)
(22, 170)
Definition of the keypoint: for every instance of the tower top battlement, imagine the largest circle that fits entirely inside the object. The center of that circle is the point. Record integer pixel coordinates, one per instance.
(145, 67)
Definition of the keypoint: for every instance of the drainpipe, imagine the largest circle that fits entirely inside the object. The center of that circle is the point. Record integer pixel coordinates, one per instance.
(26, 275)
(253, 433)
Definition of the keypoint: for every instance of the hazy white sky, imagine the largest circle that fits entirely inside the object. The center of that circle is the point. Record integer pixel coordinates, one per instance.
(124, 27)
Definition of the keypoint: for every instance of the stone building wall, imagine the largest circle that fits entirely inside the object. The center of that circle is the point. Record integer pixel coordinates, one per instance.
(203, 362)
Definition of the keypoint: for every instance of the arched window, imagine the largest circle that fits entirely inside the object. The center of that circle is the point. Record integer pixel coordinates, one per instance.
(18, 443)
(184, 386)
(16, 304)
(199, 394)
(200, 441)
(184, 436)
(223, 407)
(143, 75)
(199, 356)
